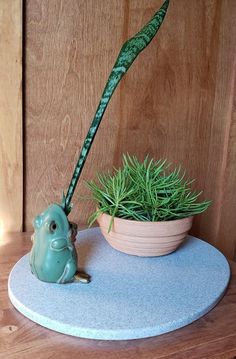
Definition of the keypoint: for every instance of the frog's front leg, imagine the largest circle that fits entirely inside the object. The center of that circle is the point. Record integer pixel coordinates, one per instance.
(58, 244)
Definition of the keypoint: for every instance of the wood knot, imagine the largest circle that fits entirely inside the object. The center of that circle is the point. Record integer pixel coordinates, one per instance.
(8, 329)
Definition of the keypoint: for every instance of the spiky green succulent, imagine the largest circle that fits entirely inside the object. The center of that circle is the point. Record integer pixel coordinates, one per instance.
(145, 191)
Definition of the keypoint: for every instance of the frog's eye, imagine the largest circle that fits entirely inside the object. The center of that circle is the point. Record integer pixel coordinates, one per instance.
(52, 226)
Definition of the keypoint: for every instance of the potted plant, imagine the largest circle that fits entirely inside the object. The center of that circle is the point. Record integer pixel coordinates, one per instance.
(145, 208)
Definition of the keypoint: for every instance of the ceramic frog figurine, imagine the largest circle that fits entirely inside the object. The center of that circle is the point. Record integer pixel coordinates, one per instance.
(53, 256)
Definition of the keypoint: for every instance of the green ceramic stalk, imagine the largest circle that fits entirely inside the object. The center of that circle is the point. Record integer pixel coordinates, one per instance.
(128, 53)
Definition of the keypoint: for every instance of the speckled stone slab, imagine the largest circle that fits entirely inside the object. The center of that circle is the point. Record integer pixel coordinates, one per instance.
(129, 297)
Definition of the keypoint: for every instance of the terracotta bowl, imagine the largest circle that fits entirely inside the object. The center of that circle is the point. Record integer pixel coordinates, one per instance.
(146, 239)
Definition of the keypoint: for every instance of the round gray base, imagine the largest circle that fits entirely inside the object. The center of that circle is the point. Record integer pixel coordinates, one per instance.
(129, 297)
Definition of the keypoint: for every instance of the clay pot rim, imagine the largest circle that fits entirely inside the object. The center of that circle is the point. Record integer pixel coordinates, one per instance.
(132, 221)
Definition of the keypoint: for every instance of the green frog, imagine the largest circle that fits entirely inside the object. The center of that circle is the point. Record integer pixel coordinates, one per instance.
(53, 257)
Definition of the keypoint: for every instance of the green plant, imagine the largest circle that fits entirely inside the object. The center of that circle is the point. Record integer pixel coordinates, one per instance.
(145, 191)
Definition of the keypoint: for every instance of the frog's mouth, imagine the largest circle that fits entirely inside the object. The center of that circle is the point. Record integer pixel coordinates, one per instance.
(74, 231)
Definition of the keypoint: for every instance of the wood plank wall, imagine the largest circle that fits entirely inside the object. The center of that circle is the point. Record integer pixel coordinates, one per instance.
(11, 164)
(176, 101)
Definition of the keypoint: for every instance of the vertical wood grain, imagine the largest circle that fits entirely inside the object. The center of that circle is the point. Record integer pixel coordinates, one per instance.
(226, 237)
(70, 49)
(11, 115)
(175, 102)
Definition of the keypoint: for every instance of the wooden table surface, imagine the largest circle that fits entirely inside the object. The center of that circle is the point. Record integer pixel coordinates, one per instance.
(213, 336)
